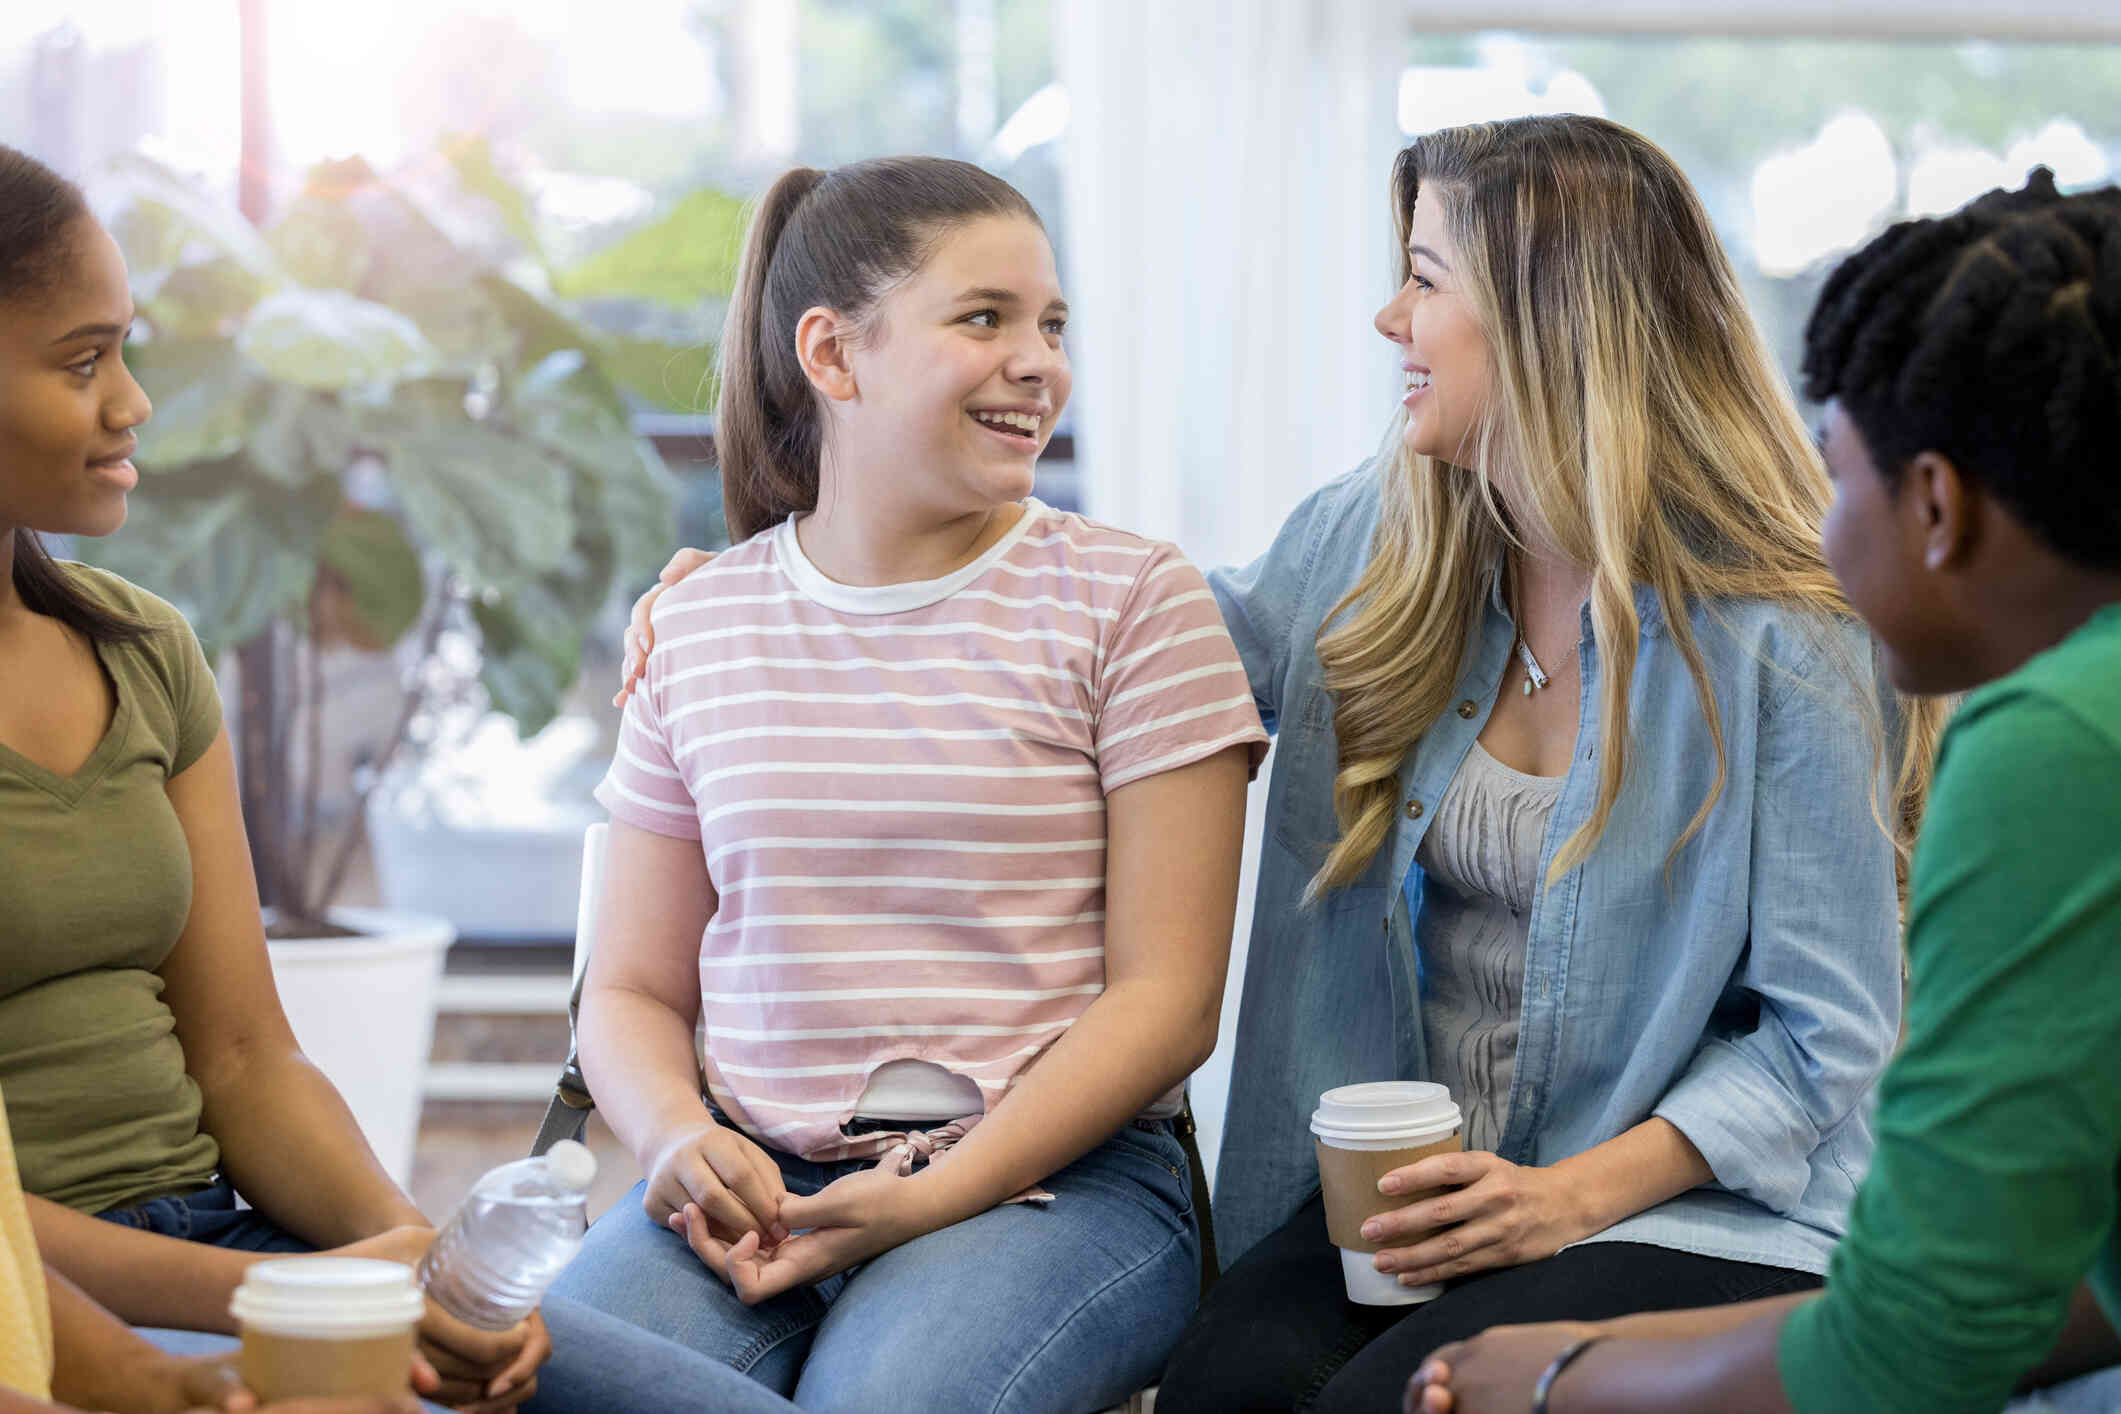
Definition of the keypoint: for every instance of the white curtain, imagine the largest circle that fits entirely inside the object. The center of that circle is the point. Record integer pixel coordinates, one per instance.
(1229, 239)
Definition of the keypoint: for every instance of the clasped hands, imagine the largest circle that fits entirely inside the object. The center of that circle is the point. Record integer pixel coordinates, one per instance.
(724, 1195)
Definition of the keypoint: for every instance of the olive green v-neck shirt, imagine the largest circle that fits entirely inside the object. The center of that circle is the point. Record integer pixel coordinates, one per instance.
(95, 886)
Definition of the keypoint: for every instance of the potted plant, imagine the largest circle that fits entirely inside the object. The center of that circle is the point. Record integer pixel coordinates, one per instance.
(374, 427)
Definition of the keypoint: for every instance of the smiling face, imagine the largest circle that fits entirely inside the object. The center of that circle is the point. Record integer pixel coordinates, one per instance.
(963, 373)
(1443, 351)
(68, 405)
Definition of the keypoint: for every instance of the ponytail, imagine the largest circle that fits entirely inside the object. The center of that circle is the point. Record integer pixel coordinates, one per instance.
(766, 431)
(835, 240)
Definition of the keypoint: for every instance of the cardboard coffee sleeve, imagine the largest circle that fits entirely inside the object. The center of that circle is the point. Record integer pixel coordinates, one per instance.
(279, 1367)
(1349, 1178)
(327, 1326)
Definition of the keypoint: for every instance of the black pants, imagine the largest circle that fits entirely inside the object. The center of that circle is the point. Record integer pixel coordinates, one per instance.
(1278, 1333)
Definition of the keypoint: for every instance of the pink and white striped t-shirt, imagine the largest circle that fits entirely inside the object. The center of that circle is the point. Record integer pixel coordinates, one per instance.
(900, 794)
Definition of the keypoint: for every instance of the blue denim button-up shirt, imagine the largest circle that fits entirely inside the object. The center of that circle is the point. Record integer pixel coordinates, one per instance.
(1747, 989)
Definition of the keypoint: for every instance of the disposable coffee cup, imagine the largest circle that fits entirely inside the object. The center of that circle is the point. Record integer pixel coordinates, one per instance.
(1363, 1133)
(315, 1326)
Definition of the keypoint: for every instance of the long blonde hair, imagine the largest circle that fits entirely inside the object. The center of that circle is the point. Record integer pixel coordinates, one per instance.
(1653, 436)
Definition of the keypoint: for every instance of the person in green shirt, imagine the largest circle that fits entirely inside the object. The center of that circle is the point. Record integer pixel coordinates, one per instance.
(1971, 371)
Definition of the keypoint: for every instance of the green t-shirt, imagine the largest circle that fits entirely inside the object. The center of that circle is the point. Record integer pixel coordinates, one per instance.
(1993, 1190)
(94, 891)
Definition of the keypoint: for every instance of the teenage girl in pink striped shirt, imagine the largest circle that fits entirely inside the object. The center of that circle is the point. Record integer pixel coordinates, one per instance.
(926, 818)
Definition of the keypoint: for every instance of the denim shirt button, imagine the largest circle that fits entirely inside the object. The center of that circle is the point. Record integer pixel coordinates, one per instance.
(1413, 810)
(1467, 708)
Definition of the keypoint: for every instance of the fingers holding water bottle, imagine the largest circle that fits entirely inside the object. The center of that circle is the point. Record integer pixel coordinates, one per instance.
(482, 1372)
(519, 1380)
(467, 1362)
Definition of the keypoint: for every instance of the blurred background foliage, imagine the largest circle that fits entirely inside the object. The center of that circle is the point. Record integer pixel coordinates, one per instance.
(386, 397)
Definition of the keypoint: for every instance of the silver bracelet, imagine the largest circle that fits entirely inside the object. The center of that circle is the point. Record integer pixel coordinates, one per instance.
(1560, 1362)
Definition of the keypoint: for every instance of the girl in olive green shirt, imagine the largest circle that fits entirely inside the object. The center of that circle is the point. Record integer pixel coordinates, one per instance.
(143, 1052)
(1971, 368)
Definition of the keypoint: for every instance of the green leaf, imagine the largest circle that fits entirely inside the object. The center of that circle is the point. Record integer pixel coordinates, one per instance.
(530, 651)
(542, 325)
(638, 502)
(460, 323)
(207, 300)
(496, 508)
(169, 213)
(562, 404)
(379, 570)
(673, 376)
(328, 339)
(629, 495)
(300, 436)
(231, 555)
(151, 236)
(478, 174)
(206, 400)
(687, 255)
(322, 243)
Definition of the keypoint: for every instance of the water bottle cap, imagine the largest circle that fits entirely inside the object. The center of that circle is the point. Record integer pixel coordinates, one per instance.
(571, 1165)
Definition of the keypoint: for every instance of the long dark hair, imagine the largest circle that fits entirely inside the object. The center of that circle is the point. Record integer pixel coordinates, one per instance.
(839, 239)
(38, 211)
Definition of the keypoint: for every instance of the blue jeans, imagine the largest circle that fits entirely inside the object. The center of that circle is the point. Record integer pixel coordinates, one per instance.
(2096, 1393)
(599, 1365)
(208, 1215)
(1057, 1308)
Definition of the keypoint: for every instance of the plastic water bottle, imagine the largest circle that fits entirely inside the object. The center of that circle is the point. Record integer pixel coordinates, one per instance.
(520, 1225)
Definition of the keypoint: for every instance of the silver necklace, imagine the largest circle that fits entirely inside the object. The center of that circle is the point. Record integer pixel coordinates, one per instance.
(1533, 677)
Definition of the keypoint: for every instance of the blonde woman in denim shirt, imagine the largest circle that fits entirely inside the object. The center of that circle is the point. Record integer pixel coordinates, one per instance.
(1599, 473)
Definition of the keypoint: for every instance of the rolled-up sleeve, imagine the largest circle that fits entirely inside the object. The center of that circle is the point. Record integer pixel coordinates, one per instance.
(1822, 962)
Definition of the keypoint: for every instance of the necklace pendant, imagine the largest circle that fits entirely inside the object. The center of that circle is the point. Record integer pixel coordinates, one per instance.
(1534, 675)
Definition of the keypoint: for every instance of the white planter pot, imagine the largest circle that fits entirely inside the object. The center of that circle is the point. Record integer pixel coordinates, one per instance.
(363, 1009)
(500, 881)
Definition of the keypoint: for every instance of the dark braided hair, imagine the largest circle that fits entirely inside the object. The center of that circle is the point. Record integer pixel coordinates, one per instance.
(1992, 336)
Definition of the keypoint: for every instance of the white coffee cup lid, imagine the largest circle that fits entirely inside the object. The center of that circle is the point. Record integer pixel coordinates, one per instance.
(329, 1297)
(1385, 1109)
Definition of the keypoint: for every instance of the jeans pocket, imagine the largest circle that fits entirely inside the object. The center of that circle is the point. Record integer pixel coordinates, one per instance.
(1153, 1160)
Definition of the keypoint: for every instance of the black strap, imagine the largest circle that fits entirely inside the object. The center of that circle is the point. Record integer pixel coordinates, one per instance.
(1210, 1268)
(568, 1114)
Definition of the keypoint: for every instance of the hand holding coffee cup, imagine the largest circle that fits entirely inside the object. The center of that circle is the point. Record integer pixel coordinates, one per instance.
(327, 1326)
(1455, 1214)
(1364, 1132)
